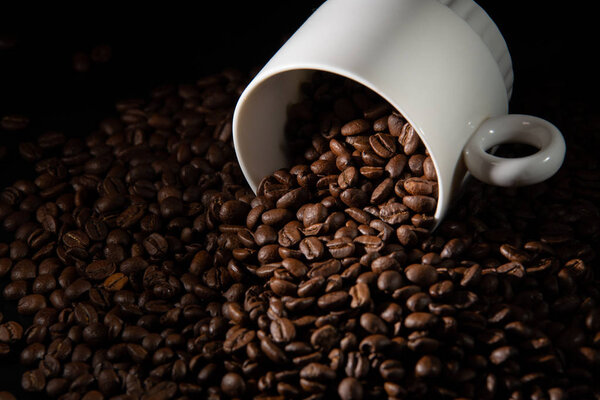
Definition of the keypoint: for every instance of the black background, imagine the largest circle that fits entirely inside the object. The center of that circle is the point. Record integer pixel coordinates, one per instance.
(554, 49)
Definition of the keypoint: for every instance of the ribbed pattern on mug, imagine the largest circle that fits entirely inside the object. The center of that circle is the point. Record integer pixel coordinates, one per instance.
(487, 30)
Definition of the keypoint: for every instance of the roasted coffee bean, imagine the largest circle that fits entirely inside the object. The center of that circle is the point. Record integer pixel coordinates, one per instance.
(354, 197)
(76, 239)
(318, 372)
(115, 282)
(502, 354)
(100, 269)
(415, 164)
(156, 245)
(276, 217)
(420, 204)
(360, 295)
(272, 351)
(295, 267)
(145, 245)
(355, 127)
(15, 290)
(11, 332)
(77, 288)
(5, 266)
(421, 274)
(350, 389)
(31, 304)
(429, 169)
(372, 323)
(389, 280)
(282, 330)
(312, 248)
(14, 122)
(409, 139)
(233, 385)
(33, 381)
(428, 366)
(420, 321)
(383, 145)
(333, 300)
(23, 270)
(324, 337)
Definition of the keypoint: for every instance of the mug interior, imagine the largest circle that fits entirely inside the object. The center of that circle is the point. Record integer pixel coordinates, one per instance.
(261, 115)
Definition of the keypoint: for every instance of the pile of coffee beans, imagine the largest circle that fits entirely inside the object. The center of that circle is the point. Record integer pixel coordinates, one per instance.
(10, 332)
(141, 265)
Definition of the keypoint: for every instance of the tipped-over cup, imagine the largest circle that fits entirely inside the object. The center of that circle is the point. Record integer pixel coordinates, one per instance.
(442, 64)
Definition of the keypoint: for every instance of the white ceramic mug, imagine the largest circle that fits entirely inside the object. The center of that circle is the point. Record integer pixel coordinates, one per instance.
(443, 64)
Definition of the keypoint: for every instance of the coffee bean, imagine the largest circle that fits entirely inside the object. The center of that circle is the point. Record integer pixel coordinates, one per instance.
(348, 178)
(282, 287)
(341, 247)
(23, 270)
(276, 217)
(311, 286)
(77, 288)
(14, 122)
(421, 274)
(355, 127)
(360, 295)
(15, 290)
(381, 264)
(502, 354)
(5, 266)
(394, 213)
(350, 389)
(11, 332)
(272, 351)
(295, 267)
(395, 123)
(420, 321)
(372, 323)
(316, 371)
(324, 337)
(324, 268)
(282, 330)
(389, 281)
(233, 385)
(156, 245)
(428, 366)
(31, 304)
(409, 139)
(420, 203)
(44, 283)
(33, 381)
(415, 164)
(333, 300)
(513, 254)
(76, 239)
(100, 269)
(354, 197)
(264, 234)
(312, 248)
(429, 169)
(326, 273)
(115, 282)
(383, 145)
(294, 198)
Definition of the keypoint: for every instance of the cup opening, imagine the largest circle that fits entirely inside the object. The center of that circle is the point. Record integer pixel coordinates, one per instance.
(262, 114)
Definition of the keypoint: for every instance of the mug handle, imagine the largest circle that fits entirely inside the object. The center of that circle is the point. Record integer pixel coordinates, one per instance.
(515, 128)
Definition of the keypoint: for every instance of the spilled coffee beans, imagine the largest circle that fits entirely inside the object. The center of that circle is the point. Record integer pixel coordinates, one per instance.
(146, 268)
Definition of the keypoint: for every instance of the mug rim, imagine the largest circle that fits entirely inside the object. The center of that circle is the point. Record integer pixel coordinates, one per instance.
(259, 80)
